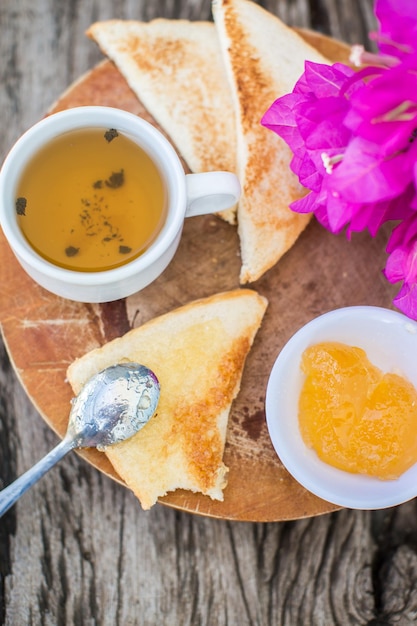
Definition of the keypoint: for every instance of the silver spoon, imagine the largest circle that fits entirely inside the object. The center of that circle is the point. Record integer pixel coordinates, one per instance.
(112, 406)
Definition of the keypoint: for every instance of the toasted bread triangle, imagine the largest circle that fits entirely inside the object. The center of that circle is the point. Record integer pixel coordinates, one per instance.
(198, 353)
(176, 70)
(264, 59)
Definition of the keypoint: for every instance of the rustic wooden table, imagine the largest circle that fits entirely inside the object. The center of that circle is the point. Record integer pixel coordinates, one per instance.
(78, 549)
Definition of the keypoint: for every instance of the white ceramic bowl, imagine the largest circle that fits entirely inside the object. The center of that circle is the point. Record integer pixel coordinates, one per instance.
(390, 341)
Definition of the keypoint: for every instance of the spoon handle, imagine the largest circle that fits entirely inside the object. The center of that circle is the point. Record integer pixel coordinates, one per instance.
(12, 493)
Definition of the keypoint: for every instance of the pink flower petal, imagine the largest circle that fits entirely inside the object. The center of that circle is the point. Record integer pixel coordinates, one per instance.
(306, 204)
(325, 80)
(394, 268)
(307, 172)
(406, 300)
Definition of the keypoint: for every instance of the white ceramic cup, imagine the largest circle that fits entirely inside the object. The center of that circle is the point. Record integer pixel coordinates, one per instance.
(187, 195)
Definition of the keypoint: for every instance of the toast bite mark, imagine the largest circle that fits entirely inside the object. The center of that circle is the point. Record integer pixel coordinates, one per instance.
(264, 59)
(176, 70)
(198, 353)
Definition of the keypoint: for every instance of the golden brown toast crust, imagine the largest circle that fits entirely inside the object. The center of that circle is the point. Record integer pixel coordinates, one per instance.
(264, 58)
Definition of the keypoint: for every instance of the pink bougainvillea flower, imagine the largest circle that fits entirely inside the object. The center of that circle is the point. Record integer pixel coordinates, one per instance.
(352, 182)
(354, 140)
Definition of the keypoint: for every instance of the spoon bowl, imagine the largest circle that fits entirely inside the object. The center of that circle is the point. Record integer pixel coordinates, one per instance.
(112, 406)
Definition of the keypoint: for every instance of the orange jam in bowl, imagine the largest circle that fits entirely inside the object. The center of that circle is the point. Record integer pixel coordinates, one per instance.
(374, 437)
(355, 416)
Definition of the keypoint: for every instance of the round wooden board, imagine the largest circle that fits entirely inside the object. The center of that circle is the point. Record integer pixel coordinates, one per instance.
(45, 333)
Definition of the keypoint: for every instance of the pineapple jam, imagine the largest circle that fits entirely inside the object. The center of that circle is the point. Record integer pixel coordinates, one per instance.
(356, 417)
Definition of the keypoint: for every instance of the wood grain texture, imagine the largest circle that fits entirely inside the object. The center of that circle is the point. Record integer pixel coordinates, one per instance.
(78, 549)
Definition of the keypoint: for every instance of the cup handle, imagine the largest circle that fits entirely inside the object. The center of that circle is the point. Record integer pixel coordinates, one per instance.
(211, 192)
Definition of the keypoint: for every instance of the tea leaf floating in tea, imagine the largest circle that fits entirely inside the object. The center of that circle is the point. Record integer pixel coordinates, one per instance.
(21, 206)
(116, 180)
(71, 251)
(110, 134)
(124, 249)
(91, 200)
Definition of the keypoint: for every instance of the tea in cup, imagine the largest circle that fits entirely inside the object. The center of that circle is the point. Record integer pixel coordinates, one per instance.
(93, 201)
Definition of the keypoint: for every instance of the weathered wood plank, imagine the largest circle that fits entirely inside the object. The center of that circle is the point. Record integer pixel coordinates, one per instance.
(78, 549)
